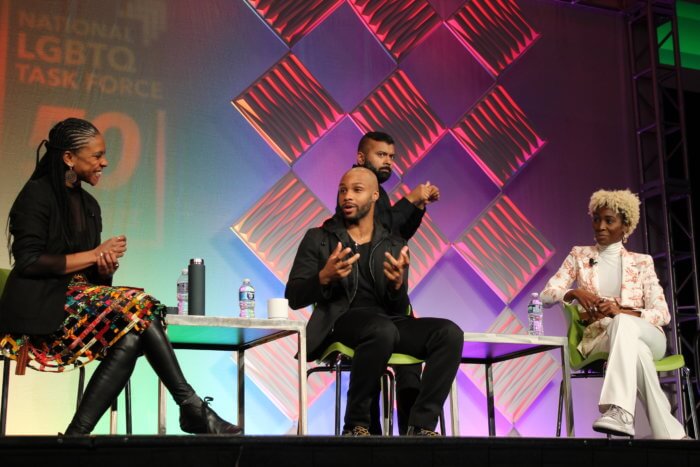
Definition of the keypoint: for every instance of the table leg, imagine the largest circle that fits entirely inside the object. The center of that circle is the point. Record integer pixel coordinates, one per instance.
(162, 404)
(303, 396)
(566, 378)
(113, 418)
(489, 400)
(240, 364)
(454, 408)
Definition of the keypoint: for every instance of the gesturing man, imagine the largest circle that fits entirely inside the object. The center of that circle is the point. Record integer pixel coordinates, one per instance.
(354, 271)
(376, 151)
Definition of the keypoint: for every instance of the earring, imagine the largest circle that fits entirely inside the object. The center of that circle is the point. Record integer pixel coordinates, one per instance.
(625, 237)
(71, 176)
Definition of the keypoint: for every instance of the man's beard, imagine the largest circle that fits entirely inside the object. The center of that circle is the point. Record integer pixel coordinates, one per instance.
(382, 176)
(362, 212)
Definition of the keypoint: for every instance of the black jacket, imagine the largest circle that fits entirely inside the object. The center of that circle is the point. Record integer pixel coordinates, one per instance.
(34, 297)
(331, 301)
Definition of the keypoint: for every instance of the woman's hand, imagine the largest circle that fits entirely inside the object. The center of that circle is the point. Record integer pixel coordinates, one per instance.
(107, 264)
(589, 301)
(394, 268)
(612, 308)
(105, 257)
(108, 254)
(115, 245)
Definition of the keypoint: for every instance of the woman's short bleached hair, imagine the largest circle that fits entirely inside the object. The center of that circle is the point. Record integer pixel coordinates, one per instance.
(623, 202)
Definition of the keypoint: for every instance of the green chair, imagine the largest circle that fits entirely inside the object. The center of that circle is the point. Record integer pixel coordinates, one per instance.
(337, 358)
(593, 366)
(4, 274)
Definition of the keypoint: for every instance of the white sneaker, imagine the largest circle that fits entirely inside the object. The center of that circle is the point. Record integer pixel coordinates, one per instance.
(616, 421)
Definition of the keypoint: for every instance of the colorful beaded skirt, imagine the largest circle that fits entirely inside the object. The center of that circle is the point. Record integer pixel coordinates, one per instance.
(97, 316)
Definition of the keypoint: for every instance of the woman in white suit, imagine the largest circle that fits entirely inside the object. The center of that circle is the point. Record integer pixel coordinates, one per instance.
(621, 301)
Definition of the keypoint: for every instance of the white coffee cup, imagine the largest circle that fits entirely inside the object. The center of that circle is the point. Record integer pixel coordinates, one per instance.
(277, 308)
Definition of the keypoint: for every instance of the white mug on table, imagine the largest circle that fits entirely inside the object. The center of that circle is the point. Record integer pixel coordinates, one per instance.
(277, 308)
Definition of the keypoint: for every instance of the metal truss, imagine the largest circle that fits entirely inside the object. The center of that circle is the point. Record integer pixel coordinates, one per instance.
(665, 188)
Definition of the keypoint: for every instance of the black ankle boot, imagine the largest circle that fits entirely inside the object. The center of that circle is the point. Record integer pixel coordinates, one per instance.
(198, 418)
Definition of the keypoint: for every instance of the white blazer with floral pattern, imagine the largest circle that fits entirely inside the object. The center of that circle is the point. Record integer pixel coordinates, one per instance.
(640, 285)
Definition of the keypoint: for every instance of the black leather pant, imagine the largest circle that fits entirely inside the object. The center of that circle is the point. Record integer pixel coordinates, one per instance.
(116, 368)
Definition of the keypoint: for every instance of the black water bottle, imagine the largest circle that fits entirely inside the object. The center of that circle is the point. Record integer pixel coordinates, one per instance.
(196, 287)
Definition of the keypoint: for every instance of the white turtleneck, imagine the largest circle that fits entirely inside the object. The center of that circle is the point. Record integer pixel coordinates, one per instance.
(610, 270)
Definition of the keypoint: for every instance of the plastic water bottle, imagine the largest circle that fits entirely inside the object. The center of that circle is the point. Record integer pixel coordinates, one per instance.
(534, 316)
(182, 292)
(246, 299)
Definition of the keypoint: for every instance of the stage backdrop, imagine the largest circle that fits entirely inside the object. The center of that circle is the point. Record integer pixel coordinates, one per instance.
(229, 123)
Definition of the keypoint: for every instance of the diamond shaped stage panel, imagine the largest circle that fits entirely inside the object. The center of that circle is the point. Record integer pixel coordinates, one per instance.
(517, 382)
(398, 25)
(495, 32)
(345, 57)
(292, 20)
(426, 246)
(447, 75)
(504, 248)
(275, 225)
(498, 135)
(465, 190)
(289, 108)
(397, 108)
(323, 165)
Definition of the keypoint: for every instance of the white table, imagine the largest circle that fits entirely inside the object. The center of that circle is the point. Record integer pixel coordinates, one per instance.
(239, 335)
(487, 349)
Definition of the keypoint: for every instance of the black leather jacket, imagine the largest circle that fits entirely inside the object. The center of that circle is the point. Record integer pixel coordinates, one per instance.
(331, 301)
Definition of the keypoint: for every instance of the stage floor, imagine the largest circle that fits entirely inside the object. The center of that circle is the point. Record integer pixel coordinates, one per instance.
(279, 451)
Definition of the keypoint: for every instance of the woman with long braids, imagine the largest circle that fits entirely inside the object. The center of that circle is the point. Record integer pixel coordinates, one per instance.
(59, 310)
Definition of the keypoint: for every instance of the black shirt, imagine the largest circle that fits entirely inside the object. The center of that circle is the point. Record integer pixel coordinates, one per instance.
(364, 297)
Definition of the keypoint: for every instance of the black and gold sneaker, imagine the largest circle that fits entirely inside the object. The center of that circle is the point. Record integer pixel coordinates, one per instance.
(418, 431)
(356, 431)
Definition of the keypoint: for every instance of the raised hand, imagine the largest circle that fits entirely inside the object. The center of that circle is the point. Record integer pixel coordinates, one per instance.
(338, 266)
(434, 194)
(424, 194)
(394, 268)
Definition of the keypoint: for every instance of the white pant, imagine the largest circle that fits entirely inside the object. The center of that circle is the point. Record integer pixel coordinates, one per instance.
(633, 339)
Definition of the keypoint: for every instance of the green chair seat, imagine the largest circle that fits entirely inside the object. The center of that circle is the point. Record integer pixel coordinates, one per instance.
(4, 273)
(339, 348)
(670, 363)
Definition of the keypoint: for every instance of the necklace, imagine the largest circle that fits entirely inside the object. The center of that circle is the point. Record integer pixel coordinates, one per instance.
(362, 239)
